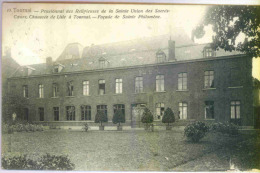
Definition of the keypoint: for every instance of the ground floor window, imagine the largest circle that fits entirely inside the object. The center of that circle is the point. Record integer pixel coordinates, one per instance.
(102, 108)
(235, 109)
(41, 114)
(70, 112)
(183, 110)
(25, 114)
(159, 110)
(56, 112)
(119, 107)
(209, 109)
(85, 112)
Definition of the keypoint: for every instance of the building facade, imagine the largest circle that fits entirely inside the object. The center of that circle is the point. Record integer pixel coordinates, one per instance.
(196, 82)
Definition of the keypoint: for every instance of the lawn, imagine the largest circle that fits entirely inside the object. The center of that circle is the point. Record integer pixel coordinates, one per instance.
(136, 150)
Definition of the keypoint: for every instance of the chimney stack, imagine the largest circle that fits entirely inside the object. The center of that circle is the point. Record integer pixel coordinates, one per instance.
(171, 49)
(49, 61)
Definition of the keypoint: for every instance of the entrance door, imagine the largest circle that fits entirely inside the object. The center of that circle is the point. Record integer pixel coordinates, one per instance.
(137, 112)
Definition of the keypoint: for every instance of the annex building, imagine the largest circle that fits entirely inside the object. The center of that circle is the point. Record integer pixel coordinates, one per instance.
(196, 82)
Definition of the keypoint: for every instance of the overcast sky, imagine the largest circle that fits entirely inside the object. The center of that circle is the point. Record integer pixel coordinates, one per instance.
(32, 40)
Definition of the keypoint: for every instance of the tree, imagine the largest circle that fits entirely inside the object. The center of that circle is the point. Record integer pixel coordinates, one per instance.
(147, 116)
(228, 22)
(168, 116)
(118, 117)
(101, 117)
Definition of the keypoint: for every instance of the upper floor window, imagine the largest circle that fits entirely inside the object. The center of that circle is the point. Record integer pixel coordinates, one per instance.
(70, 112)
(159, 83)
(41, 91)
(25, 91)
(183, 110)
(70, 88)
(119, 86)
(159, 110)
(85, 88)
(182, 81)
(209, 79)
(161, 57)
(85, 112)
(139, 84)
(209, 109)
(102, 87)
(55, 90)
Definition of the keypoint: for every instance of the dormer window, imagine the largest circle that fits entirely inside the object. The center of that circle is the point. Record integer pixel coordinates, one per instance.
(102, 62)
(208, 52)
(161, 57)
(57, 68)
(28, 70)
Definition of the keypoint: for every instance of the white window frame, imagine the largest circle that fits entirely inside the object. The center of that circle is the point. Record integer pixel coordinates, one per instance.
(160, 109)
(85, 87)
(139, 88)
(119, 86)
(235, 109)
(182, 81)
(183, 110)
(41, 90)
(160, 83)
(209, 76)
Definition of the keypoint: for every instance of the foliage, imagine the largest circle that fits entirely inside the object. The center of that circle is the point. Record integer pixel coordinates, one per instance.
(225, 128)
(196, 131)
(20, 127)
(45, 162)
(168, 116)
(53, 162)
(147, 116)
(101, 117)
(85, 127)
(118, 117)
(228, 23)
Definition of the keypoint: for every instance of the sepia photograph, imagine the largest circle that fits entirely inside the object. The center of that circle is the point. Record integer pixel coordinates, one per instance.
(130, 87)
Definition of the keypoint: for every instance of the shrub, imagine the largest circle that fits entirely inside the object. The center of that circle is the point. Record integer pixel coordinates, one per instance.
(118, 117)
(39, 127)
(85, 127)
(196, 131)
(147, 116)
(101, 117)
(52, 162)
(225, 128)
(168, 116)
(45, 162)
(18, 163)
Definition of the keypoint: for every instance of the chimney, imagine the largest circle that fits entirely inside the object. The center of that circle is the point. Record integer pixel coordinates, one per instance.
(49, 61)
(171, 49)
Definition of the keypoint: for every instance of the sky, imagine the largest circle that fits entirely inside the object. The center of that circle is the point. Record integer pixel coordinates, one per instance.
(33, 40)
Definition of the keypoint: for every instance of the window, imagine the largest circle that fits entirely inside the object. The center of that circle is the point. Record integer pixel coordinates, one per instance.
(25, 91)
(159, 110)
(41, 92)
(85, 88)
(25, 114)
(209, 79)
(161, 57)
(182, 81)
(208, 52)
(235, 77)
(119, 107)
(159, 83)
(119, 86)
(55, 90)
(183, 110)
(235, 109)
(70, 112)
(56, 112)
(85, 112)
(209, 110)
(102, 62)
(102, 108)
(70, 88)
(102, 87)
(138, 84)
(41, 114)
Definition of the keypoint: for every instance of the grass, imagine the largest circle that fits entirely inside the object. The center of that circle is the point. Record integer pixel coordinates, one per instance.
(133, 150)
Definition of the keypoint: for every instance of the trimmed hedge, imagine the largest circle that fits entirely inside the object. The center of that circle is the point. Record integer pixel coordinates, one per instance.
(196, 131)
(225, 128)
(19, 127)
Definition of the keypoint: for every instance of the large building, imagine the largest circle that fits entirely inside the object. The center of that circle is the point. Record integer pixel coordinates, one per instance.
(195, 81)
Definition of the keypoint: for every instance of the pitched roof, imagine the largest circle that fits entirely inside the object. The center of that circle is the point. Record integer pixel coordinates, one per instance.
(125, 53)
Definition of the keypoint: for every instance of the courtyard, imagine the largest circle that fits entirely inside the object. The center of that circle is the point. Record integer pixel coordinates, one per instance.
(139, 150)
